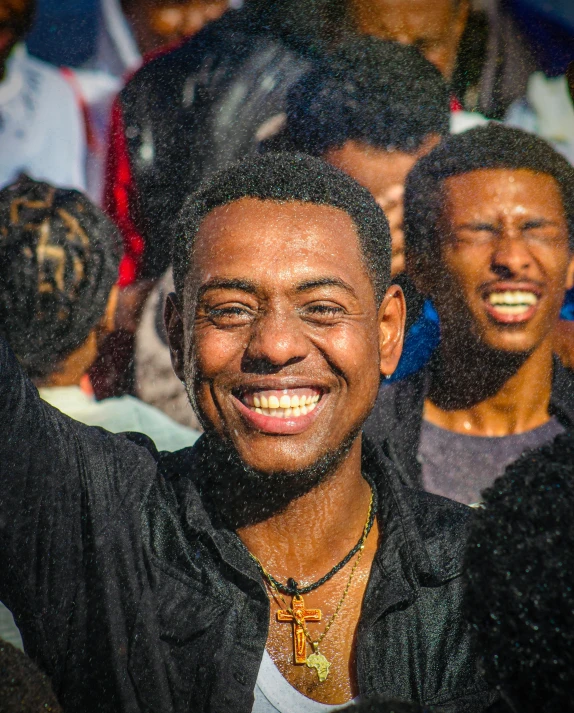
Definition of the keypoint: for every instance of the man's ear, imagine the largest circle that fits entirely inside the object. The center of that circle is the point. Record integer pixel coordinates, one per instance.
(108, 322)
(174, 327)
(570, 274)
(461, 20)
(392, 316)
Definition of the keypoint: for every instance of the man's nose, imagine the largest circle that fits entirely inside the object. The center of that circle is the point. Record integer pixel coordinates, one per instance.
(277, 340)
(511, 254)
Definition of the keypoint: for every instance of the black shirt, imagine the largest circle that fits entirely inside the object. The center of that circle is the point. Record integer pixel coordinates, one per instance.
(133, 599)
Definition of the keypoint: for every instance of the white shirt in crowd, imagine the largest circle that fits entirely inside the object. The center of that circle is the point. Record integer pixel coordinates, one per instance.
(41, 126)
(124, 413)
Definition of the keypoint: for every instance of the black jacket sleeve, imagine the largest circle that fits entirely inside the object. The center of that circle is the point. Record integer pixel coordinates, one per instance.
(62, 485)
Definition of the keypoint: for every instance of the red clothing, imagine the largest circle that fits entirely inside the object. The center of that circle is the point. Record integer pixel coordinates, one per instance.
(119, 198)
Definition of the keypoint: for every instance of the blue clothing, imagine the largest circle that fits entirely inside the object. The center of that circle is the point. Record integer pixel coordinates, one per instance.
(424, 337)
(568, 306)
(421, 341)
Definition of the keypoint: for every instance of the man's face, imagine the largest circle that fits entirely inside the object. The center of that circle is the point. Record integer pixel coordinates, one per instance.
(174, 21)
(383, 173)
(505, 262)
(435, 27)
(15, 19)
(283, 337)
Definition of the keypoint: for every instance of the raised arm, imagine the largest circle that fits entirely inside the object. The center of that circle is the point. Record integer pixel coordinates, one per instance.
(61, 484)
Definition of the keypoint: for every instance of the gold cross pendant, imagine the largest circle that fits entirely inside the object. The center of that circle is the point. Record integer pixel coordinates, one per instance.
(298, 615)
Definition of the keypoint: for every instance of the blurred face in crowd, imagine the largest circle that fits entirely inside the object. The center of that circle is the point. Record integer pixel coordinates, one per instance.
(16, 17)
(283, 340)
(162, 23)
(383, 173)
(505, 260)
(175, 21)
(435, 27)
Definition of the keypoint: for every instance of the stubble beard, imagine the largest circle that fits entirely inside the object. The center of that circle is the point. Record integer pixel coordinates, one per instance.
(237, 494)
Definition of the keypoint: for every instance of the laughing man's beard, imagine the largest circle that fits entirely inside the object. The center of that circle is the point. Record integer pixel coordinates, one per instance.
(238, 496)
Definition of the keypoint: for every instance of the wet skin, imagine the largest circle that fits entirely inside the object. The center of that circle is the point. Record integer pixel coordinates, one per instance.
(504, 266)
(435, 28)
(278, 300)
(382, 172)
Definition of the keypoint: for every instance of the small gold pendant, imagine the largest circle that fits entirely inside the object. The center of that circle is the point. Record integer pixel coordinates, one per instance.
(317, 661)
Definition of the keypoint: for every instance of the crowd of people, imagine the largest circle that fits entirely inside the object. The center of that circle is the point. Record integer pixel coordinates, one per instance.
(286, 361)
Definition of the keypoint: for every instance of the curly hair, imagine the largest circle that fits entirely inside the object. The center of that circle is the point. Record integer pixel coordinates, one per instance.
(485, 147)
(381, 93)
(59, 259)
(520, 581)
(286, 177)
(23, 687)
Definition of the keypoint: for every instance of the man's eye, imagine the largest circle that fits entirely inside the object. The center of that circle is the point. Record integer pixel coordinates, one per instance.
(479, 233)
(324, 311)
(229, 316)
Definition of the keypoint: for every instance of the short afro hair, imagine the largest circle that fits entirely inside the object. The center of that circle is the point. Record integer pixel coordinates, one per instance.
(485, 147)
(23, 687)
(520, 581)
(286, 178)
(369, 90)
(59, 259)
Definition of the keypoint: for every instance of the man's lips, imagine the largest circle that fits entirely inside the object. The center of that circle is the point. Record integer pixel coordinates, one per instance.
(512, 303)
(281, 411)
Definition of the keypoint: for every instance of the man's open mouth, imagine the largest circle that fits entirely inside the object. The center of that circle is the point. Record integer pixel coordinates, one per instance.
(512, 306)
(280, 411)
(288, 403)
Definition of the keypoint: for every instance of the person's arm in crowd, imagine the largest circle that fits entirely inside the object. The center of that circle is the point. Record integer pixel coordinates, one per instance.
(61, 487)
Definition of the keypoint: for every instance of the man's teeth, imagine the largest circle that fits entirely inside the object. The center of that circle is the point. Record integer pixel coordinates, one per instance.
(285, 406)
(513, 302)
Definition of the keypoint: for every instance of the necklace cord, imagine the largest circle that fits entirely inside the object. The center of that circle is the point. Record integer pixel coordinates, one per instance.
(292, 589)
(301, 622)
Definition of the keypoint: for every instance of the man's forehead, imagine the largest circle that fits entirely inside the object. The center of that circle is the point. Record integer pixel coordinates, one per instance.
(417, 13)
(260, 240)
(494, 184)
(252, 222)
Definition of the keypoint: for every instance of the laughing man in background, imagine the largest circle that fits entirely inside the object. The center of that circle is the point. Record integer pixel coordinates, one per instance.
(489, 229)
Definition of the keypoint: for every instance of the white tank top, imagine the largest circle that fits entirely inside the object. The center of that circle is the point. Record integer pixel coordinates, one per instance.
(274, 694)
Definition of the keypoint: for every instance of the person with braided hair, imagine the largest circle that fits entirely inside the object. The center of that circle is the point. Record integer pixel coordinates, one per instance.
(59, 259)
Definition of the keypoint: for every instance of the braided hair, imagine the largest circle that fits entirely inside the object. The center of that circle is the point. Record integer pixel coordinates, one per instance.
(59, 259)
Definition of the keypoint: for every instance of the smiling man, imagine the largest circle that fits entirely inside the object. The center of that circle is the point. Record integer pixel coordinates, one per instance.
(489, 226)
(278, 565)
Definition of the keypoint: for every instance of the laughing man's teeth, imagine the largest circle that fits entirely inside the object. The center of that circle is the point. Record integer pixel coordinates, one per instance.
(283, 406)
(517, 297)
(513, 302)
